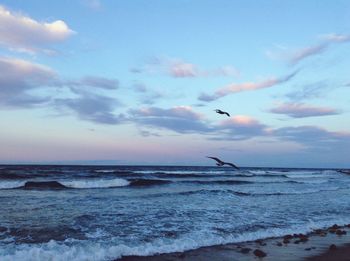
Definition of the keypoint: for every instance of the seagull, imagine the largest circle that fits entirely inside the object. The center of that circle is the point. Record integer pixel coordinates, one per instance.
(222, 112)
(221, 163)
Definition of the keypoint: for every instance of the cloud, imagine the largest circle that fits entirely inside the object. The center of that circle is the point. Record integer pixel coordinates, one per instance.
(311, 140)
(336, 38)
(313, 137)
(147, 95)
(181, 69)
(94, 81)
(300, 110)
(181, 119)
(185, 112)
(92, 4)
(309, 91)
(305, 52)
(135, 70)
(242, 127)
(249, 86)
(18, 77)
(146, 133)
(227, 70)
(317, 146)
(22, 33)
(92, 107)
(178, 68)
(295, 56)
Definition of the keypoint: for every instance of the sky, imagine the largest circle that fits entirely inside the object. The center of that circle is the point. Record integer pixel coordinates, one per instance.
(137, 82)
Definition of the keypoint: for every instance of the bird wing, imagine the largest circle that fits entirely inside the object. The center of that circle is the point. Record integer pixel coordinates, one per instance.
(231, 164)
(227, 114)
(216, 159)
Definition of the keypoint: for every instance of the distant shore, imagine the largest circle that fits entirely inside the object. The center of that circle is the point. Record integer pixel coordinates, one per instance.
(330, 244)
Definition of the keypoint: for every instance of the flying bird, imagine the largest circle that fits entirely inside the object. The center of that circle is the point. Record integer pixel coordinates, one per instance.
(222, 112)
(220, 163)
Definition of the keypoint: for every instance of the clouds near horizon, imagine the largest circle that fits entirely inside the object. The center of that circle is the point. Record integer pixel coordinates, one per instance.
(241, 127)
(314, 137)
(183, 119)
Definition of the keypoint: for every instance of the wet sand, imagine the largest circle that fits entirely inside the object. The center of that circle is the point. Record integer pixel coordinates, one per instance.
(314, 246)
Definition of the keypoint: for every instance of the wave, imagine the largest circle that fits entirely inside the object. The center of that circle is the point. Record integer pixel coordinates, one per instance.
(74, 184)
(213, 191)
(82, 184)
(241, 193)
(13, 176)
(137, 182)
(188, 175)
(104, 170)
(97, 183)
(11, 184)
(344, 171)
(280, 193)
(227, 182)
(43, 185)
(148, 182)
(79, 250)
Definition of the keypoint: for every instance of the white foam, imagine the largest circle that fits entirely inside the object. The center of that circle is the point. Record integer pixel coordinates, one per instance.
(311, 181)
(83, 250)
(96, 183)
(180, 171)
(11, 184)
(258, 172)
(105, 170)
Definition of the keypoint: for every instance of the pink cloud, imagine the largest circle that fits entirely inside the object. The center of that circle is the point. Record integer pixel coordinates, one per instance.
(179, 68)
(240, 120)
(300, 110)
(185, 112)
(241, 127)
(183, 70)
(249, 86)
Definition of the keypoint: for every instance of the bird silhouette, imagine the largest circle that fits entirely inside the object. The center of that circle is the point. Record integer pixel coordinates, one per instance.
(220, 163)
(222, 112)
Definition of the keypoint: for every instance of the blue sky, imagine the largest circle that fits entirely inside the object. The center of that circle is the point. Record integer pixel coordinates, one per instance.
(137, 82)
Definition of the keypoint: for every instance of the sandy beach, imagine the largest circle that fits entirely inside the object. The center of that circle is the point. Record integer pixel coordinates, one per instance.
(330, 244)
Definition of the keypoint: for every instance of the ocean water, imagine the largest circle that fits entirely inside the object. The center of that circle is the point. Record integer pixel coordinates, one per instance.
(105, 212)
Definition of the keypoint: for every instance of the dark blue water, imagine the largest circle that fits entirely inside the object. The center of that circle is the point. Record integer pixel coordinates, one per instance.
(102, 213)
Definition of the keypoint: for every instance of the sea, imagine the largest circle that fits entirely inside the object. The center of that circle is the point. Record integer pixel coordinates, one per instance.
(106, 212)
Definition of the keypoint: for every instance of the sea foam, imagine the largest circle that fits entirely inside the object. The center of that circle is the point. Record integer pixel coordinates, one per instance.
(96, 183)
(79, 250)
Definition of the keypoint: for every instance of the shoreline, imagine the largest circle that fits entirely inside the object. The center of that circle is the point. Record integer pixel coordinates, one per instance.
(313, 246)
